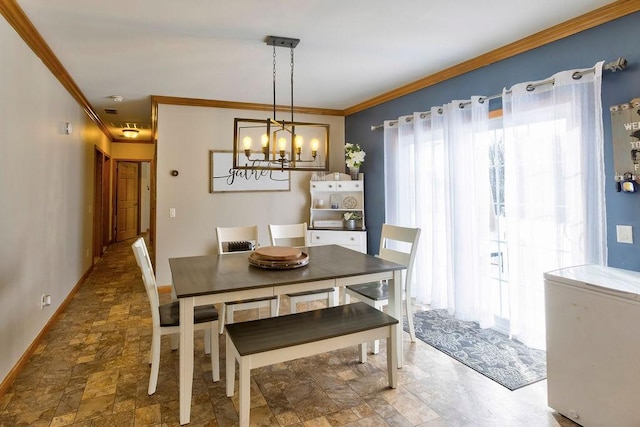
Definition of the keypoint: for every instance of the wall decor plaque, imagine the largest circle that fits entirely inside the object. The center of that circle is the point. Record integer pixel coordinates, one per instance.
(223, 178)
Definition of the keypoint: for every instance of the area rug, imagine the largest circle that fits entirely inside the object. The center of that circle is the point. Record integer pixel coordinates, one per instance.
(507, 362)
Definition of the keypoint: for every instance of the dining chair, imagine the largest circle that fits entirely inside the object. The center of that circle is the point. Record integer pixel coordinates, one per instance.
(296, 235)
(399, 245)
(166, 318)
(242, 239)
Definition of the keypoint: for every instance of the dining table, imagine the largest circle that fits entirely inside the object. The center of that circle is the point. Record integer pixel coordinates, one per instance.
(220, 278)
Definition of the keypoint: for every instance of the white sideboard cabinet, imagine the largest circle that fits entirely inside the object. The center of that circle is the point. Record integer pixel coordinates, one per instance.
(330, 200)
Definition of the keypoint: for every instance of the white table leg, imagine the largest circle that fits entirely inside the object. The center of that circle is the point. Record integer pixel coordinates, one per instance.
(186, 358)
(395, 310)
(244, 391)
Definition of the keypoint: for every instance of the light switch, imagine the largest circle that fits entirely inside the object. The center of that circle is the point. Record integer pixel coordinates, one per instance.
(624, 234)
(172, 212)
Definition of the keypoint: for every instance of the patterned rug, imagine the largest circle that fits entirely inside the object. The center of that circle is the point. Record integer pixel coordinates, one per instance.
(507, 362)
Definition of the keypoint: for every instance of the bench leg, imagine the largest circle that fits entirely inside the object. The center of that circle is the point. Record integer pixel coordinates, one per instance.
(231, 368)
(392, 358)
(245, 391)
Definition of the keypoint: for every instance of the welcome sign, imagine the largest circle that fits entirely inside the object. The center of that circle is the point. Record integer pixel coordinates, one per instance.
(625, 133)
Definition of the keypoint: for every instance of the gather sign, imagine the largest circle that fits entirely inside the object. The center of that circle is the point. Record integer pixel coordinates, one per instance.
(224, 178)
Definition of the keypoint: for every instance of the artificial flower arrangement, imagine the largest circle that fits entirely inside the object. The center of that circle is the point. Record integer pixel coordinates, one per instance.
(354, 155)
(352, 216)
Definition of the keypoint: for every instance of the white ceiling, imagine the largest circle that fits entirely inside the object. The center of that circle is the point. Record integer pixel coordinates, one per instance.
(350, 50)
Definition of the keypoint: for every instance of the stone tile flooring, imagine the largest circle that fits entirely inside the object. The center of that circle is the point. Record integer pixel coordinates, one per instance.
(92, 370)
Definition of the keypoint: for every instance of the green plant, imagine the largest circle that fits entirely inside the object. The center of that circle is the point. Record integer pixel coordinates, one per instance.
(352, 215)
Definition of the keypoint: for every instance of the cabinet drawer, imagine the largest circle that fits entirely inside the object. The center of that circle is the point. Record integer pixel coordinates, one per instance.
(337, 186)
(324, 185)
(342, 238)
(350, 185)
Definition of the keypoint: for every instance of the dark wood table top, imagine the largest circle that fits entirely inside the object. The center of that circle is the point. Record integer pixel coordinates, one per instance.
(210, 274)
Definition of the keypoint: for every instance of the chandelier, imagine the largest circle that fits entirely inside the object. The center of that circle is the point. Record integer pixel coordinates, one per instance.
(280, 145)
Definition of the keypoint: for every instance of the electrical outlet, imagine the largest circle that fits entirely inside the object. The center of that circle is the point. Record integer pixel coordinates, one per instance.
(624, 234)
(172, 212)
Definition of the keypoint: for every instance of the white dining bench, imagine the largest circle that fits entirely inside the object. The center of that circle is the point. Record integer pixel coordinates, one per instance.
(264, 342)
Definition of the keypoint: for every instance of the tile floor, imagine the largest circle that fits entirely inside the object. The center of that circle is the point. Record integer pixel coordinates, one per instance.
(92, 370)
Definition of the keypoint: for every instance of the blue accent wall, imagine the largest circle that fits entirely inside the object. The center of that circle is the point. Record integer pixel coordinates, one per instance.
(606, 42)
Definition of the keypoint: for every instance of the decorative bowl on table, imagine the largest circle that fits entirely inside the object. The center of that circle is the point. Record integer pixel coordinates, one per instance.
(278, 258)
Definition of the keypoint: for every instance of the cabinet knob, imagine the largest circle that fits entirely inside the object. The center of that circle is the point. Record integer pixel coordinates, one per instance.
(330, 185)
(339, 185)
(357, 185)
(352, 239)
(313, 186)
(317, 237)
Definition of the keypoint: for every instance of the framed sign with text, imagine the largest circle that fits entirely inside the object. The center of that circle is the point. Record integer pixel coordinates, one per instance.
(225, 179)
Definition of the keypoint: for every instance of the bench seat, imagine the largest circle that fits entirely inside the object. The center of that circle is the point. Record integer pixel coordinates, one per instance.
(274, 340)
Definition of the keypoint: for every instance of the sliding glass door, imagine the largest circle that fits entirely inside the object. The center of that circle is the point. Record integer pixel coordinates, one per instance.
(499, 294)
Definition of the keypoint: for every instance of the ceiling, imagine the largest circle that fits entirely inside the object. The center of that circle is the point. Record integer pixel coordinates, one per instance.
(350, 51)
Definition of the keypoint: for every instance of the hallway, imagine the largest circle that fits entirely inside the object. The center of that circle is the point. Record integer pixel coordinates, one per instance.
(92, 370)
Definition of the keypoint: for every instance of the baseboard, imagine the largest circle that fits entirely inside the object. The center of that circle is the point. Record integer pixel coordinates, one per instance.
(11, 376)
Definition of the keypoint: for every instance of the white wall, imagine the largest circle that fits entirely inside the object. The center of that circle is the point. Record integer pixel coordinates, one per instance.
(133, 150)
(46, 195)
(185, 136)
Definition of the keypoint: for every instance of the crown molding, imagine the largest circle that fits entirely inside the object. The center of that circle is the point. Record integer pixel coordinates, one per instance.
(195, 102)
(584, 22)
(16, 17)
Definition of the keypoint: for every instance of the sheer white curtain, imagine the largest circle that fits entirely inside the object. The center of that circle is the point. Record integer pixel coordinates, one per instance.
(554, 189)
(436, 178)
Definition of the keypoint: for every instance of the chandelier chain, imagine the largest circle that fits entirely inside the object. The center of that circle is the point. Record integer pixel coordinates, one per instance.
(291, 85)
(274, 82)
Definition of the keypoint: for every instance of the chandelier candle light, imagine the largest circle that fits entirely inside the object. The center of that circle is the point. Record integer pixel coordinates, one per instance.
(354, 157)
(283, 145)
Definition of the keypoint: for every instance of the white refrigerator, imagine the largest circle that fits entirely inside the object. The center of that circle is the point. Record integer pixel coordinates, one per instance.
(593, 344)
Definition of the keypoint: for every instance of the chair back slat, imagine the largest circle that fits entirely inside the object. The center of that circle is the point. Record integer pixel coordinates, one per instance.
(395, 256)
(291, 232)
(236, 234)
(148, 277)
(400, 244)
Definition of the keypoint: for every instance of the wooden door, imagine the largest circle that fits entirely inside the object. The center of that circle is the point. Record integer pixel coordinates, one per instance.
(101, 200)
(127, 201)
(97, 204)
(106, 201)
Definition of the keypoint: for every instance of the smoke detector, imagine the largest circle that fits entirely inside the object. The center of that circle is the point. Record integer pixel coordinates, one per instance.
(117, 98)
